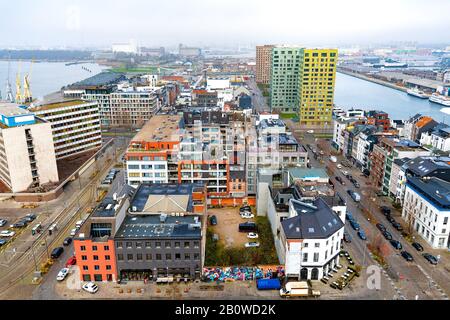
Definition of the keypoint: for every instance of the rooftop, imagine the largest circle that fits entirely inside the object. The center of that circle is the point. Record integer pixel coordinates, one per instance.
(421, 166)
(164, 197)
(9, 109)
(99, 80)
(159, 128)
(308, 173)
(316, 221)
(159, 226)
(271, 123)
(108, 207)
(54, 105)
(436, 190)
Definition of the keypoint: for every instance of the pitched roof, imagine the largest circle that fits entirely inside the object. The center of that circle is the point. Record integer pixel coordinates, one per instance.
(315, 221)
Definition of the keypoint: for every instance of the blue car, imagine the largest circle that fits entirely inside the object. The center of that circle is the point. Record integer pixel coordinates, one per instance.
(362, 235)
(349, 216)
(355, 225)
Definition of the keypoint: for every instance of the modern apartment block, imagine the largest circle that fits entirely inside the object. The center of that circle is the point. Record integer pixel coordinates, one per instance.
(27, 154)
(75, 125)
(317, 74)
(121, 102)
(284, 85)
(263, 63)
(206, 147)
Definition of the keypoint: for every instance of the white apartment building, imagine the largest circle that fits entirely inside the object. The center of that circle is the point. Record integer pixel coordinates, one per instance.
(310, 240)
(75, 125)
(427, 210)
(439, 138)
(27, 154)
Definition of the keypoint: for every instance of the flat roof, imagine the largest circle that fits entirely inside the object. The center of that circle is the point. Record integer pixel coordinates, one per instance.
(166, 192)
(9, 109)
(159, 128)
(302, 173)
(160, 226)
(102, 79)
(61, 104)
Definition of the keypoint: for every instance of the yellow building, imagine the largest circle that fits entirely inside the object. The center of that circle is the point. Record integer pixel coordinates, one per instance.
(316, 80)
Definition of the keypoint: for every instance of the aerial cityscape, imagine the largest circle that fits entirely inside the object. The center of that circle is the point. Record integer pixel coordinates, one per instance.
(252, 164)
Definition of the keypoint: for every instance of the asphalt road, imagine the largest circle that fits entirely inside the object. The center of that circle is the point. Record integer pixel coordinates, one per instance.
(259, 102)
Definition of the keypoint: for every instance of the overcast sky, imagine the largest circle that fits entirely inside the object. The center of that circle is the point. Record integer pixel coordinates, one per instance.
(222, 22)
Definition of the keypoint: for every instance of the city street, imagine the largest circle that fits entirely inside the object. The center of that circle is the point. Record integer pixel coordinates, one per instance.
(260, 103)
(410, 279)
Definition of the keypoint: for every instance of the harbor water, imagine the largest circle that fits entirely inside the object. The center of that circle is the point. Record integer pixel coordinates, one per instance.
(353, 92)
(46, 77)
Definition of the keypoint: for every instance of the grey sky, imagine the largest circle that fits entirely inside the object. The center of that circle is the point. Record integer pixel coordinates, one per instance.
(222, 22)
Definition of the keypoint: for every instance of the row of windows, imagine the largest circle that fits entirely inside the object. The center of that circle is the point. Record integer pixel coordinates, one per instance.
(156, 244)
(157, 256)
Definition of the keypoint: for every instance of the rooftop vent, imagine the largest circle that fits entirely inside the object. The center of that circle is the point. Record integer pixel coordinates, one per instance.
(163, 217)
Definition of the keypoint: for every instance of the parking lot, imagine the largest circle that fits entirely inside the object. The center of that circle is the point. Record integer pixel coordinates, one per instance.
(228, 220)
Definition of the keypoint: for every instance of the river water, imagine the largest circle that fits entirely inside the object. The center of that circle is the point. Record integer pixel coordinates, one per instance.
(46, 77)
(354, 92)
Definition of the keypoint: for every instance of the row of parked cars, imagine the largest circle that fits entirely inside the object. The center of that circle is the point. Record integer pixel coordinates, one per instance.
(355, 225)
(396, 244)
(110, 176)
(22, 223)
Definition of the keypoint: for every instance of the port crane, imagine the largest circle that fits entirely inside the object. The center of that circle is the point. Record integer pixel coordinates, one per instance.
(18, 86)
(27, 97)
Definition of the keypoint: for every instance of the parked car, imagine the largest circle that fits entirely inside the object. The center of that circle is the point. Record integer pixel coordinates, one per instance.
(67, 241)
(407, 256)
(340, 180)
(90, 287)
(355, 225)
(390, 219)
(252, 235)
(30, 217)
(252, 244)
(213, 220)
(385, 210)
(387, 235)
(56, 252)
(349, 215)
(73, 232)
(3, 222)
(417, 246)
(71, 261)
(245, 209)
(396, 244)
(7, 233)
(247, 215)
(381, 227)
(2, 242)
(356, 183)
(430, 258)
(397, 226)
(339, 166)
(362, 235)
(19, 224)
(347, 237)
(62, 274)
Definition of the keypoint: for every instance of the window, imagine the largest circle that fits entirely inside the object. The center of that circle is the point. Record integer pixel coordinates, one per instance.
(94, 248)
(168, 256)
(305, 245)
(107, 257)
(177, 256)
(445, 220)
(158, 244)
(96, 267)
(177, 244)
(98, 277)
(187, 256)
(158, 256)
(138, 244)
(186, 244)
(119, 244)
(129, 244)
(148, 244)
(83, 248)
(108, 267)
(120, 257)
(85, 268)
(106, 248)
(167, 244)
(196, 256)
(196, 244)
(316, 257)
(148, 256)
(317, 245)
(130, 257)
(84, 258)
(305, 257)
(139, 257)
(95, 257)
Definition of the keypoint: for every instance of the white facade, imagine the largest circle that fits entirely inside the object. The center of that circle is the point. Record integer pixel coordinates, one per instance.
(429, 221)
(146, 171)
(338, 138)
(218, 84)
(130, 47)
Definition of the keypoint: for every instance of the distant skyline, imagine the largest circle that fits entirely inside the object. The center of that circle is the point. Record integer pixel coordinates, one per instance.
(83, 23)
